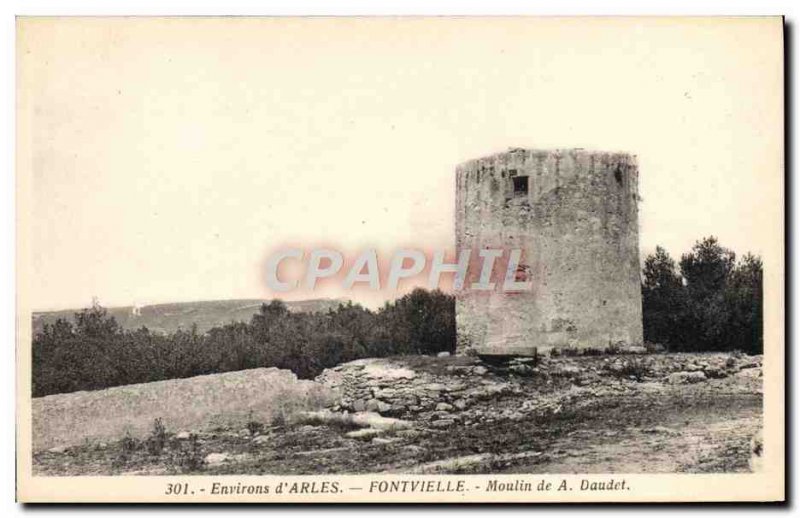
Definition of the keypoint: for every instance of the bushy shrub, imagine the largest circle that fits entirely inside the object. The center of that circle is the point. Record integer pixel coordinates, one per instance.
(189, 456)
(94, 352)
(157, 439)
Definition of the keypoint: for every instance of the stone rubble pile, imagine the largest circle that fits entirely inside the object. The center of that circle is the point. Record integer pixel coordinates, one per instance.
(467, 390)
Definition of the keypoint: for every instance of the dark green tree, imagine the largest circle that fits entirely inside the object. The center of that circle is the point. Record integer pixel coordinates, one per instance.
(663, 300)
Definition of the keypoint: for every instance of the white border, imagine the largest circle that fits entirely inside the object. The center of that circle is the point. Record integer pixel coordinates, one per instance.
(315, 7)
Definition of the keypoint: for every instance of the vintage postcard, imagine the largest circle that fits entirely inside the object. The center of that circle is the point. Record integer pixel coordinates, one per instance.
(500, 259)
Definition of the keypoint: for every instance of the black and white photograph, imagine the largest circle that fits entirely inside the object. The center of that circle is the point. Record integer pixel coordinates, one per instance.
(400, 259)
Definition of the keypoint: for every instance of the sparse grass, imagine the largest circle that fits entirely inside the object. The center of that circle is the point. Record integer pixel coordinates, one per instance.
(654, 347)
(340, 422)
(189, 456)
(278, 420)
(633, 368)
(253, 426)
(611, 349)
(566, 352)
(127, 448)
(157, 439)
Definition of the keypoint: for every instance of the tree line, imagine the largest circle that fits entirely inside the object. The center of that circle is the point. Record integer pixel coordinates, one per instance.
(95, 352)
(707, 301)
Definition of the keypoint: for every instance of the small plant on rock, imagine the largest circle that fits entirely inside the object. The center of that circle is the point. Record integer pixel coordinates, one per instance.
(253, 426)
(127, 447)
(157, 439)
(189, 457)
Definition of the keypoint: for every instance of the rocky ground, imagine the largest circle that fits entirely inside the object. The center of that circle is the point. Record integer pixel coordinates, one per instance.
(625, 413)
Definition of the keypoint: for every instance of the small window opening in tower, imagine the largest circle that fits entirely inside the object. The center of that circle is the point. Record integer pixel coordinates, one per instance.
(618, 175)
(520, 185)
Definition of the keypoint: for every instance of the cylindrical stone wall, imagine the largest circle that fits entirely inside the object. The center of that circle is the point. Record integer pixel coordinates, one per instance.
(574, 215)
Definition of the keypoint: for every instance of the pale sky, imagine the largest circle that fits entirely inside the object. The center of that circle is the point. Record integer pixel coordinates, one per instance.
(164, 160)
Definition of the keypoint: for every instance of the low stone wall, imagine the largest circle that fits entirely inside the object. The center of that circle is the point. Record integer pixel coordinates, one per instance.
(200, 402)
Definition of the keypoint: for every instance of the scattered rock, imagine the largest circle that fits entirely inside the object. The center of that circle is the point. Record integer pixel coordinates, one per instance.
(480, 370)
(376, 405)
(383, 440)
(183, 435)
(373, 420)
(216, 458)
(461, 404)
(443, 354)
(716, 372)
(413, 448)
(686, 377)
(747, 362)
(443, 423)
(659, 430)
(365, 434)
(521, 369)
(751, 372)
(57, 449)
(384, 393)
(444, 407)
(458, 369)
(408, 434)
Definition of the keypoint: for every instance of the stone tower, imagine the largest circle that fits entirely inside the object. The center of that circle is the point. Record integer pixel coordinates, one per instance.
(574, 215)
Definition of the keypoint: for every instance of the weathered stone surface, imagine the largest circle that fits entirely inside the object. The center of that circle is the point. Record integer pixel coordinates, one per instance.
(574, 214)
(684, 377)
(385, 393)
(521, 370)
(715, 372)
(261, 439)
(384, 440)
(365, 434)
(230, 399)
(373, 420)
(216, 458)
(750, 372)
(461, 404)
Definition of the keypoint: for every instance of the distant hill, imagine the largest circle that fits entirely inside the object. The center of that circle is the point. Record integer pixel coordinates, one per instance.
(182, 315)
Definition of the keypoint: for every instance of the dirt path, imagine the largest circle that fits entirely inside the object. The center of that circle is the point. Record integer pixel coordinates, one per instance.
(695, 440)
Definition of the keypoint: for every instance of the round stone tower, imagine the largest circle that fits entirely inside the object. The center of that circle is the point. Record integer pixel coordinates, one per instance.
(574, 215)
